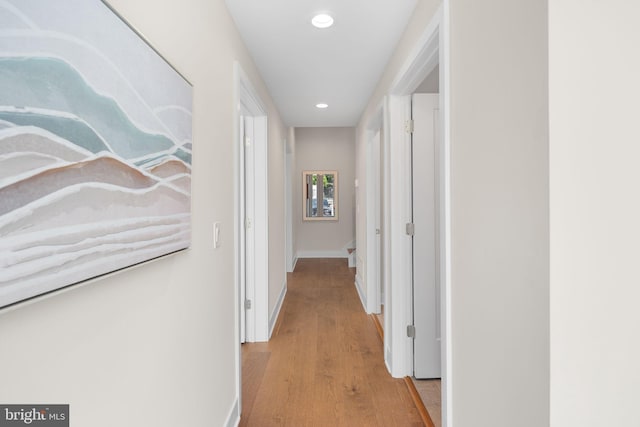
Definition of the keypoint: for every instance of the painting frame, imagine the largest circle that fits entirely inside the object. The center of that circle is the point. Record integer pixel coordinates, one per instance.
(96, 147)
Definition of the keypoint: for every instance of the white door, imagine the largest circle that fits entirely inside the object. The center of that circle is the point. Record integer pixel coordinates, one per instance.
(425, 184)
(247, 261)
(377, 169)
(288, 196)
(243, 248)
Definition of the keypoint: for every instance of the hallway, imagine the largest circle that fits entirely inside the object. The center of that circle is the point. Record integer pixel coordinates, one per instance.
(324, 364)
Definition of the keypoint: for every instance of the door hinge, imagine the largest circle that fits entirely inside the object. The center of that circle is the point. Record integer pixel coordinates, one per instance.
(408, 126)
(247, 304)
(247, 223)
(411, 331)
(411, 229)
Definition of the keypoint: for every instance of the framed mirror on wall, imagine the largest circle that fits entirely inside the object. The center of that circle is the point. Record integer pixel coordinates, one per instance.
(320, 195)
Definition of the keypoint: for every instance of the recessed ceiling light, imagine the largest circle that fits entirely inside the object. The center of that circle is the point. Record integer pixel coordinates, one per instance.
(322, 20)
(322, 105)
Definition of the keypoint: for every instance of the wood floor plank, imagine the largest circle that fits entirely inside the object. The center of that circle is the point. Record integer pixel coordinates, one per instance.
(254, 366)
(325, 365)
(430, 392)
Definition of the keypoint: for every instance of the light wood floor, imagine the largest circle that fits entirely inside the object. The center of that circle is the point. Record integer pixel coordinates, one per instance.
(324, 364)
(430, 391)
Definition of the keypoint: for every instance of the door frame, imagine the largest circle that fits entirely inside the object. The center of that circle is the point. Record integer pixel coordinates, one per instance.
(249, 104)
(372, 297)
(288, 201)
(431, 50)
(426, 200)
(374, 280)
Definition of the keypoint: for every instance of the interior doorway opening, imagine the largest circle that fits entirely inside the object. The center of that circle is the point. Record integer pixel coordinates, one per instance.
(429, 54)
(375, 229)
(250, 219)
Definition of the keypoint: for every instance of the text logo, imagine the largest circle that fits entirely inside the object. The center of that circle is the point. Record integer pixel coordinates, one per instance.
(34, 415)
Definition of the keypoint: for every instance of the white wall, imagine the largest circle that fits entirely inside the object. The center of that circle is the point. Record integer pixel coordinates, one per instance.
(500, 213)
(500, 219)
(160, 335)
(325, 149)
(595, 212)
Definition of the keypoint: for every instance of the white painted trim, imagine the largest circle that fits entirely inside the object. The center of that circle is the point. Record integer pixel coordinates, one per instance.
(322, 254)
(370, 224)
(276, 310)
(372, 286)
(233, 419)
(445, 108)
(421, 61)
(400, 307)
(388, 357)
(247, 96)
(433, 48)
(386, 235)
(250, 104)
(377, 121)
(237, 239)
(361, 293)
(261, 230)
(353, 259)
(288, 202)
(295, 262)
(246, 100)
(247, 235)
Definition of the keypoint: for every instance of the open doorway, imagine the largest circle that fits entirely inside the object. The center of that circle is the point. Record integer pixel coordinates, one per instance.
(250, 220)
(374, 292)
(426, 66)
(426, 199)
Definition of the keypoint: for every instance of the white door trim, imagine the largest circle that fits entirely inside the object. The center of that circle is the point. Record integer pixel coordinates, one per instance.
(372, 275)
(247, 234)
(431, 50)
(241, 268)
(367, 296)
(425, 170)
(260, 224)
(247, 102)
(250, 104)
(399, 310)
(288, 210)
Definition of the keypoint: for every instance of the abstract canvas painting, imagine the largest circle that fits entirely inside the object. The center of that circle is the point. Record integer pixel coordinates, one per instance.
(95, 147)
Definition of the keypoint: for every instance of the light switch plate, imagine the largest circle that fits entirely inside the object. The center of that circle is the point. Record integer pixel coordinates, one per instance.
(216, 235)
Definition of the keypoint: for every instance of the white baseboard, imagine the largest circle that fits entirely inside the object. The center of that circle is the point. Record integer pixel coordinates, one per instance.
(291, 264)
(387, 359)
(361, 294)
(322, 254)
(234, 415)
(295, 262)
(352, 259)
(276, 310)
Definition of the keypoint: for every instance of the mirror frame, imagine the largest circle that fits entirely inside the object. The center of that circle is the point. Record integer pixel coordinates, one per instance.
(305, 195)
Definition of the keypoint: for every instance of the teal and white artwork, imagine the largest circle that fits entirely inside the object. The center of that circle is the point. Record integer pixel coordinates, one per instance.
(95, 147)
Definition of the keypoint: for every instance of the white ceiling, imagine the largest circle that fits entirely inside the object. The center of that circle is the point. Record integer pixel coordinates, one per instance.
(303, 65)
